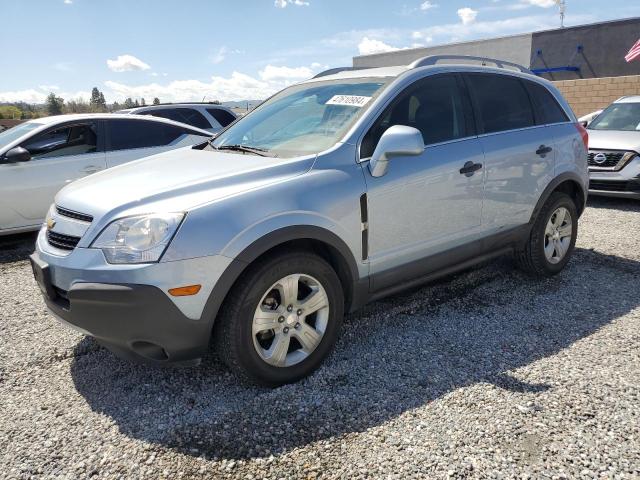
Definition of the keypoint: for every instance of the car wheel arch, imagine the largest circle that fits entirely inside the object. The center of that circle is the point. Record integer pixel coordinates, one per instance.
(567, 182)
(296, 237)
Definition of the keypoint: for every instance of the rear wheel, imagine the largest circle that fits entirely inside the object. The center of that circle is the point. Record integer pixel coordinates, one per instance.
(552, 237)
(281, 319)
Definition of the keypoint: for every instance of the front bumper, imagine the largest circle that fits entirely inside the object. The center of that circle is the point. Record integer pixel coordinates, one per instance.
(127, 307)
(624, 183)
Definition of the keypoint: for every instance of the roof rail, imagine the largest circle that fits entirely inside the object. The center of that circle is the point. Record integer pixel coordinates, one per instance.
(434, 59)
(332, 71)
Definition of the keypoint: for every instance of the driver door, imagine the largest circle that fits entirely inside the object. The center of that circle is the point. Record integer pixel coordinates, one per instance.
(59, 156)
(424, 204)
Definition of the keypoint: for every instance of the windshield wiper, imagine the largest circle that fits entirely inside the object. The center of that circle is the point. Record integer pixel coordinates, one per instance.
(263, 152)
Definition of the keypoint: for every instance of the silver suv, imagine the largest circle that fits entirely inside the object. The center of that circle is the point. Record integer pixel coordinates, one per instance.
(334, 192)
(614, 162)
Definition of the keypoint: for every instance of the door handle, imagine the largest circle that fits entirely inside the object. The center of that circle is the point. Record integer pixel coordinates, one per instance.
(470, 168)
(543, 150)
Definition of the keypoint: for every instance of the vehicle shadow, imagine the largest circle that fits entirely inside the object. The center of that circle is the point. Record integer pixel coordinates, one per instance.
(394, 355)
(624, 204)
(14, 248)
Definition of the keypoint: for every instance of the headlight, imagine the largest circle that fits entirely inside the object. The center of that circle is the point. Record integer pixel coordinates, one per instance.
(139, 239)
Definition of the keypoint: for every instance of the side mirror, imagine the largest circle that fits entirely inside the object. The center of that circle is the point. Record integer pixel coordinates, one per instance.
(397, 141)
(585, 123)
(16, 155)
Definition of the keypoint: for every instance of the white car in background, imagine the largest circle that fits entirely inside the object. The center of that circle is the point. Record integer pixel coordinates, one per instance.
(589, 117)
(40, 156)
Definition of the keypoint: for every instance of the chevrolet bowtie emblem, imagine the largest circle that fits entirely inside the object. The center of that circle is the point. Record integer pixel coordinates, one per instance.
(50, 223)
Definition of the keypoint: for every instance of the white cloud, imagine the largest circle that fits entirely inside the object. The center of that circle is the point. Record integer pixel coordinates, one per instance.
(540, 3)
(238, 86)
(48, 88)
(467, 15)
(68, 2)
(39, 96)
(220, 55)
(427, 5)
(272, 73)
(369, 46)
(284, 3)
(126, 63)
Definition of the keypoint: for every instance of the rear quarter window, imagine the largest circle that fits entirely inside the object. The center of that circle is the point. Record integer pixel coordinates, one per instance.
(501, 102)
(546, 107)
(223, 117)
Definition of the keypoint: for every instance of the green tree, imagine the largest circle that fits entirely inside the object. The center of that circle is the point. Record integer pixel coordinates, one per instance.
(156, 101)
(143, 102)
(54, 104)
(97, 102)
(128, 103)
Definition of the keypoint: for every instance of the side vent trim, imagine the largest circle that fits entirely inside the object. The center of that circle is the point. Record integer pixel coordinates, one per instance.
(364, 225)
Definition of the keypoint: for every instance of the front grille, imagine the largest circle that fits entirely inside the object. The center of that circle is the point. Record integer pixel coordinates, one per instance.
(612, 158)
(63, 242)
(83, 217)
(614, 186)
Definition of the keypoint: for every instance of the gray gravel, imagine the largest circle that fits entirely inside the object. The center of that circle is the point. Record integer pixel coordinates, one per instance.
(486, 374)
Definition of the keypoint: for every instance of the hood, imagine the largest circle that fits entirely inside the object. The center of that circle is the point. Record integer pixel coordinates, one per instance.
(614, 140)
(175, 181)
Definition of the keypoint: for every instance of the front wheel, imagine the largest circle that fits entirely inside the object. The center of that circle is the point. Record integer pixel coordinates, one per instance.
(553, 237)
(281, 319)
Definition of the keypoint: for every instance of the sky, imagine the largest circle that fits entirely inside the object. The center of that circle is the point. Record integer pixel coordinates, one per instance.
(188, 50)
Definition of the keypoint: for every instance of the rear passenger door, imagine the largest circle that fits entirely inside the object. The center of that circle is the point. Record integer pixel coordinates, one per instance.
(129, 140)
(519, 154)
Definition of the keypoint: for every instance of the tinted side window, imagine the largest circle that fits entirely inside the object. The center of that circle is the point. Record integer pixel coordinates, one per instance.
(125, 134)
(223, 117)
(68, 140)
(545, 106)
(168, 114)
(437, 106)
(194, 117)
(502, 103)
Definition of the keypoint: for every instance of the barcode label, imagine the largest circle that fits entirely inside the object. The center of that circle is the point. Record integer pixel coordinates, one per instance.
(349, 100)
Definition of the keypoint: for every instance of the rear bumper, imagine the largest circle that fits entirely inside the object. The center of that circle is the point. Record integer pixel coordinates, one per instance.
(137, 322)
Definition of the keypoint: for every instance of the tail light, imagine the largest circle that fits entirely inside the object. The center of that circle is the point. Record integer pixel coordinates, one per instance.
(584, 134)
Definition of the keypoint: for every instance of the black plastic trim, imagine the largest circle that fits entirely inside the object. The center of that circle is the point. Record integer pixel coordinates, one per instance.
(447, 262)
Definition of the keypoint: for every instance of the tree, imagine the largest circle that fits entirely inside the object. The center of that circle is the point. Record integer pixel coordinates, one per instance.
(143, 102)
(54, 104)
(136, 103)
(156, 101)
(128, 103)
(97, 101)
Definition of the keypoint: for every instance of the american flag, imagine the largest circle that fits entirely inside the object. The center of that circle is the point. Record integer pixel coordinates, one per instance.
(634, 52)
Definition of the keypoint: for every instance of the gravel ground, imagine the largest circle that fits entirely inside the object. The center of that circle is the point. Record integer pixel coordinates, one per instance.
(486, 374)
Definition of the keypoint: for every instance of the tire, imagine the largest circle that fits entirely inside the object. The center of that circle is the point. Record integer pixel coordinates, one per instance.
(531, 257)
(268, 284)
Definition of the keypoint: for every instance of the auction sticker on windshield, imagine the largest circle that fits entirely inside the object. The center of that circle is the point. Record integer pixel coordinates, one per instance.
(349, 100)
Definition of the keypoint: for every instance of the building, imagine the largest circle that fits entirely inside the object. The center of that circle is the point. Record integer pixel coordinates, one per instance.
(586, 61)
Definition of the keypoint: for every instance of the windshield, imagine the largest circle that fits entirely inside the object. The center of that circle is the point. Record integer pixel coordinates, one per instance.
(303, 119)
(618, 116)
(16, 132)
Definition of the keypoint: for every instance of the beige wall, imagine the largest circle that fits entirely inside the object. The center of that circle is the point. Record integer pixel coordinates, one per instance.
(588, 95)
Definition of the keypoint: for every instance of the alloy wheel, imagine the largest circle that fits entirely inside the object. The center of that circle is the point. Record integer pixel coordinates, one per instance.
(290, 320)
